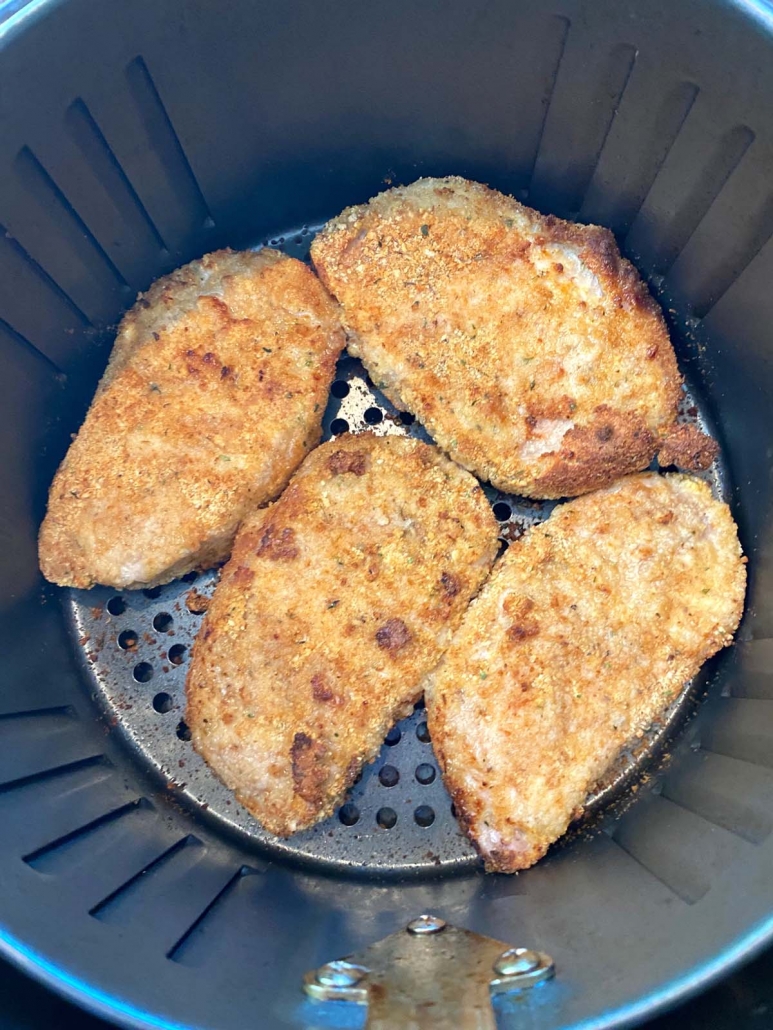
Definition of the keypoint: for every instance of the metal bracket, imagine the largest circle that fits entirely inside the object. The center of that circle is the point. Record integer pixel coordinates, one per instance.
(430, 975)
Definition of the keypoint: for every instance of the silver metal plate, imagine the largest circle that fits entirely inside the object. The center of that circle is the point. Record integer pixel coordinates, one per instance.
(430, 975)
(398, 819)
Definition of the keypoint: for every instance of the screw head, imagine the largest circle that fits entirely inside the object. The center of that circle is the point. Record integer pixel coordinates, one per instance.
(517, 962)
(340, 974)
(426, 924)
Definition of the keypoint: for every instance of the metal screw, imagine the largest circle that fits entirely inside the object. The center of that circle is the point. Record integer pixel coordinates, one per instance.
(426, 924)
(340, 974)
(516, 962)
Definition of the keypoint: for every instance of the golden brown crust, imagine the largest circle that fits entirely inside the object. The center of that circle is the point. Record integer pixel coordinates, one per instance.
(504, 331)
(337, 600)
(608, 446)
(586, 630)
(688, 448)
(213, 395)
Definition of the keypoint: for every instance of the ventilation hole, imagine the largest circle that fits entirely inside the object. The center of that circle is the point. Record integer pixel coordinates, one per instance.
(305, 231)
(163, 622)
(425, 773)
(152, 592)
(143, 672)
(424, 815)
(128, 639)
(422, 732)
(386, 818)
(339, 389)
(338, 426)
(502, 511)
(163, 702)
(349, 814)
(116, 606)
(176, 654)
(183, 730)
(407, 418)
(373, 416)
(190, 577)
(389, 776)
(393, 737)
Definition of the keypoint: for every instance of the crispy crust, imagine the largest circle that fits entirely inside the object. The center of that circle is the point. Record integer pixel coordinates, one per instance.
(337, 600)
(688, 448)
(587, 629)
(511, 335)
(213, 395)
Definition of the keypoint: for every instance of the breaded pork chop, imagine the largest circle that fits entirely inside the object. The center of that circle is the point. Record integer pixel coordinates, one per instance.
(212, 397)
(528, 347)
(337, 600)
(588, 628)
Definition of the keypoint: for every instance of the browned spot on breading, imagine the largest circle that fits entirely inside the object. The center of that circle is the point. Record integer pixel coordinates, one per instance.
(688, 448)
(278, 544)
(319, 689)
(309, 769)
(243, 576)
(450, 583)
(610, 445)
(523, 630)
(393, 635)
(348, 461)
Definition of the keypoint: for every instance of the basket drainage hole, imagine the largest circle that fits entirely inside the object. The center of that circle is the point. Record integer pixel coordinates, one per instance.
(143, 672)
(116, 606)
(163, 622)
(502, 511)
(152, 592)
(339, 389)
(422, 732)
(393, 737)
(338, 426)
(349, 814)
(407, 418)
(176, 654)
(386, 818)
(183, 730)
(424, 815)
(425, 773)
(128, 639)
(389, 776)
(163, 702)
(373, 416)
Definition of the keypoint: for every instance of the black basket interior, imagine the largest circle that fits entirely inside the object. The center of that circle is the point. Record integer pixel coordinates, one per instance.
(137, 135)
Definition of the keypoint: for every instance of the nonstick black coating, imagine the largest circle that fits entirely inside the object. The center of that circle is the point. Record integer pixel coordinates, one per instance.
(137, 135)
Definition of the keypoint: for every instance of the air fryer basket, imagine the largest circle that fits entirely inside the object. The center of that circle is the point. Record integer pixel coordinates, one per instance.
(137, 135)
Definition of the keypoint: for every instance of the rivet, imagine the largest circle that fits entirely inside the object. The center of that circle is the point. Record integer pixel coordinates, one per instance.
(340, 974)
(517, 962)
(426, 924)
